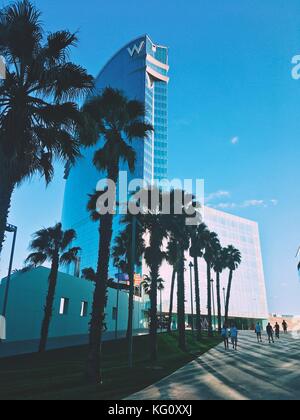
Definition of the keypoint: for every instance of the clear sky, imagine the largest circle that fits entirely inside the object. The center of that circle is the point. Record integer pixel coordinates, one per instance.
(234, 112)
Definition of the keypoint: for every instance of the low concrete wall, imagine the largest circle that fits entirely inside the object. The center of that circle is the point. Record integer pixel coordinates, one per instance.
(26, 302)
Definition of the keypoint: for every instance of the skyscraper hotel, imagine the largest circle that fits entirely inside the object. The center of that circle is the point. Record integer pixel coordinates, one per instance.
(140, 71)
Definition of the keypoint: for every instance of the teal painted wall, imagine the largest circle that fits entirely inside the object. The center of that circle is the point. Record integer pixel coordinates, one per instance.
(26, 302)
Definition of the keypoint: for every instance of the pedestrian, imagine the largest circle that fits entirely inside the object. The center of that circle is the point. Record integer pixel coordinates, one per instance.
(270, 333)
(225, 336)
(258, 330)
(234, 337)
(285, 327)
(277, 331)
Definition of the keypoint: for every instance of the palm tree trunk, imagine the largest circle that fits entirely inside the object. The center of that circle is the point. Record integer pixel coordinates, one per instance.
(153, 313)
(228, 296)
(197, 296)
(209, 300)
(131, 279)
(6, 191)
(49, 304)
(171, 300)
(219, 303)
(99, 301)
(181, 301)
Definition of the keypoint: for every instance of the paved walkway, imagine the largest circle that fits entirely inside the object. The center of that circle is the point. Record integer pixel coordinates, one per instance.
(254, 372)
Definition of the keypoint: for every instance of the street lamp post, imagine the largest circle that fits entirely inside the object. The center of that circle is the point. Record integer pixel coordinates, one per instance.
(118, 298)
(131, 292)
(213, 301)
(161, 310)
(191, 265)
(11, 229)
(224, 297)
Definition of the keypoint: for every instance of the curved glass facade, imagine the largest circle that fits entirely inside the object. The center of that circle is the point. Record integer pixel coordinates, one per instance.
(140, 71)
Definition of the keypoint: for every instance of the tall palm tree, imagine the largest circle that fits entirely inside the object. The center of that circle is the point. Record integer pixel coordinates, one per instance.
(212, 245)
(154, 224)
(179, 231)
(198, 239)
(51, 245)
(219, 264)
(116, 122)
(172, 258)
(233, 260)
(38, 113)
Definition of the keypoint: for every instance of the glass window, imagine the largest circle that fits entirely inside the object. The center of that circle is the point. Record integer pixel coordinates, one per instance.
(64, 306)
(84, 309)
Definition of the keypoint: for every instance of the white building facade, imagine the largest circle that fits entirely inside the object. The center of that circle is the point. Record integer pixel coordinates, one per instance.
(248, 296)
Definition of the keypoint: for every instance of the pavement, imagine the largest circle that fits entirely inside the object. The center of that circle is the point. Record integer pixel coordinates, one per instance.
(254, 372)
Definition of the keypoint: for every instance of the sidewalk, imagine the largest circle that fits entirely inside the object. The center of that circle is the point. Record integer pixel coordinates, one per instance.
(254, 372)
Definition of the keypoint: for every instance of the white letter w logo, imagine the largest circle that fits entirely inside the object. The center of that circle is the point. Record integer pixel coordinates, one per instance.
(136, 49)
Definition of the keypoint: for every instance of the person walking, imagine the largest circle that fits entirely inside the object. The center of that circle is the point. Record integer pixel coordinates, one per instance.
(270, 333)
(225, 336)
(258, 331)
(285, 327)
(234, 337)
(277, 331)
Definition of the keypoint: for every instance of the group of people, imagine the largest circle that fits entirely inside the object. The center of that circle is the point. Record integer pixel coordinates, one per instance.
(232, 333)
(271, 331)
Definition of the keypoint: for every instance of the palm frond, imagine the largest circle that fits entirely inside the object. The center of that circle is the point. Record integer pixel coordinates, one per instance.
(58, 46)
(138, 129)
(89, 274)
(67, 81)
(136, 110)
(36, 259)
(68, 237)
(71, 256)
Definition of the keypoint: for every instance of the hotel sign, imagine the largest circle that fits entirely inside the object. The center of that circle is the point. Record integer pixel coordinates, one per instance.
(136, 49)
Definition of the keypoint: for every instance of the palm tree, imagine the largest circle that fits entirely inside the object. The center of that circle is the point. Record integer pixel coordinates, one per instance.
(116, 121)
(172, 258)
(38, 113)
(51, 245)
(179, 231)
(121, 254)
(233, 260)
(147, 284)
(219, 264)
(198, 237)
(212, 245)
(154, 224)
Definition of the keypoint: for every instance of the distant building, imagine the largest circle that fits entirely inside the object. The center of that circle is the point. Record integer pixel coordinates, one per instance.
(248, 298)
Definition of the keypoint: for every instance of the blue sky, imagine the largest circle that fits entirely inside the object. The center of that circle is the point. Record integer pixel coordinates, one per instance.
(233, 114)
